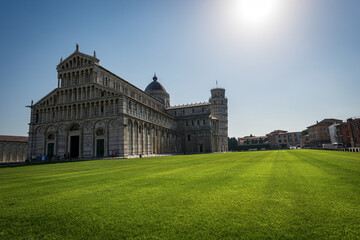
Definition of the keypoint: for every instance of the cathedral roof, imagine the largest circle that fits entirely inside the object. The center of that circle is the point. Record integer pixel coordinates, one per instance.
(191, 105)
(155, 86)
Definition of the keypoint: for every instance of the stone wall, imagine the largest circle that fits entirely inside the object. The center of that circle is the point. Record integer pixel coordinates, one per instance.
(13, 151)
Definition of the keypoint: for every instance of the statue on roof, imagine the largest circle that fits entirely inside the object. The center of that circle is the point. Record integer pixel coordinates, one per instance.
(77, 47)
(94, 54)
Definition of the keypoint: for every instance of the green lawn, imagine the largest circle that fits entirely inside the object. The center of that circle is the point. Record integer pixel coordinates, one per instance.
(302, 194)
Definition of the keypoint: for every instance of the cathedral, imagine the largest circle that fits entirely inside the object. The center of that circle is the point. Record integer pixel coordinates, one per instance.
(95, 113)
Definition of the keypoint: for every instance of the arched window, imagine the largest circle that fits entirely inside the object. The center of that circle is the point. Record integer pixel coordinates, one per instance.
(75, 127)
(51, 136)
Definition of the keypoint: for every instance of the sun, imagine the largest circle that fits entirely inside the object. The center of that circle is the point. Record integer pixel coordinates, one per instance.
(256, 13)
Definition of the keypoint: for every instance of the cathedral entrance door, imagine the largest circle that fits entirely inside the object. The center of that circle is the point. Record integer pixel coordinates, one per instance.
(50, 151)
(99, 147)
(200, 148)
(74, 146)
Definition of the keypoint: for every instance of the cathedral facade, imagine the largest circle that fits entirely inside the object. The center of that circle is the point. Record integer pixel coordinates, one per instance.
(95, 113)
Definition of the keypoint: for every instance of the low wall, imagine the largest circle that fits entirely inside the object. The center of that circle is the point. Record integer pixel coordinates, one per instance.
(13, 152)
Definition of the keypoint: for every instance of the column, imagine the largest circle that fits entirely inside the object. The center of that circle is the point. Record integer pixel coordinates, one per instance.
(1, 152)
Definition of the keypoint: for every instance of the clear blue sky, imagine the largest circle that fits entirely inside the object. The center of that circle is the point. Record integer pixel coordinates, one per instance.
(286, 74)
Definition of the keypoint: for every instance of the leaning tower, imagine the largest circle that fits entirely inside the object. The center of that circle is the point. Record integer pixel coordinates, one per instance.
(219, 106)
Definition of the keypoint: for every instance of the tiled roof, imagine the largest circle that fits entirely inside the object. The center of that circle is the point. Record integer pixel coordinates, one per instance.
(5, 138)
(326, 122)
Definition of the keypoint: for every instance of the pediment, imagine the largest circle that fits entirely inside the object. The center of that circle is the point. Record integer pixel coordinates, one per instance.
(77, 60)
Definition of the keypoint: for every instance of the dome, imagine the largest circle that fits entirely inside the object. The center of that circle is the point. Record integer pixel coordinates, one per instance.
(154, 86)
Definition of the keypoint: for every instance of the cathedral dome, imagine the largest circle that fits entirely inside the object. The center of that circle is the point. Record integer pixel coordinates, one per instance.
(154, 86)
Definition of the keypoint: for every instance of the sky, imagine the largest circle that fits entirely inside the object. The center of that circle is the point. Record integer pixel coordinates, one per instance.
(285, 64)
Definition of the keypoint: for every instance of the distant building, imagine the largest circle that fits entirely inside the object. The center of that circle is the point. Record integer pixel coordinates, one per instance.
(305, 140)
(319, 132)
(13, 148)
(252, 140)
(354, 131)
(339, 133)
(294, 139)
(278, 139)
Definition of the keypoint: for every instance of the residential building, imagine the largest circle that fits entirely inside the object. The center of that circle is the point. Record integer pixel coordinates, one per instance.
(354, 131)
(319, 132)
(278, 139)
(339, 133)
(294, 139)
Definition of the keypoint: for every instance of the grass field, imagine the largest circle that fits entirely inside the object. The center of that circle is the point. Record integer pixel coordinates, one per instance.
(302, 194)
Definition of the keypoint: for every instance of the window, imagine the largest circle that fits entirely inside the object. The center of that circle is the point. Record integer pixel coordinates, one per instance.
(175, 113)
(198, 122)
(192, 110)
(189, 138)
(75, 127)
(192, 122)
(187, 124)
(203, 121)
(100, 132)
(51, 137)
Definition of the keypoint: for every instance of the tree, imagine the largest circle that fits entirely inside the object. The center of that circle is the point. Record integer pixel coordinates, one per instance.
(232, 143)
(305, 132)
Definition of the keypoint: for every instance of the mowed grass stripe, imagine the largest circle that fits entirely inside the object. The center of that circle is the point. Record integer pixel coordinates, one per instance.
(330, 196)
(251, 195)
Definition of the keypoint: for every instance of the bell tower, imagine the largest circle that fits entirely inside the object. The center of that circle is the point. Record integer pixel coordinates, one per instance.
(219, 109)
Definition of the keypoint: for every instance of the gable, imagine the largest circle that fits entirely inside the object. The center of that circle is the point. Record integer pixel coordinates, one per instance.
(77, 60)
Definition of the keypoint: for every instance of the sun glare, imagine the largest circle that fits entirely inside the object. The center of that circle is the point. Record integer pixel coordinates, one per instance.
(255, 14)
